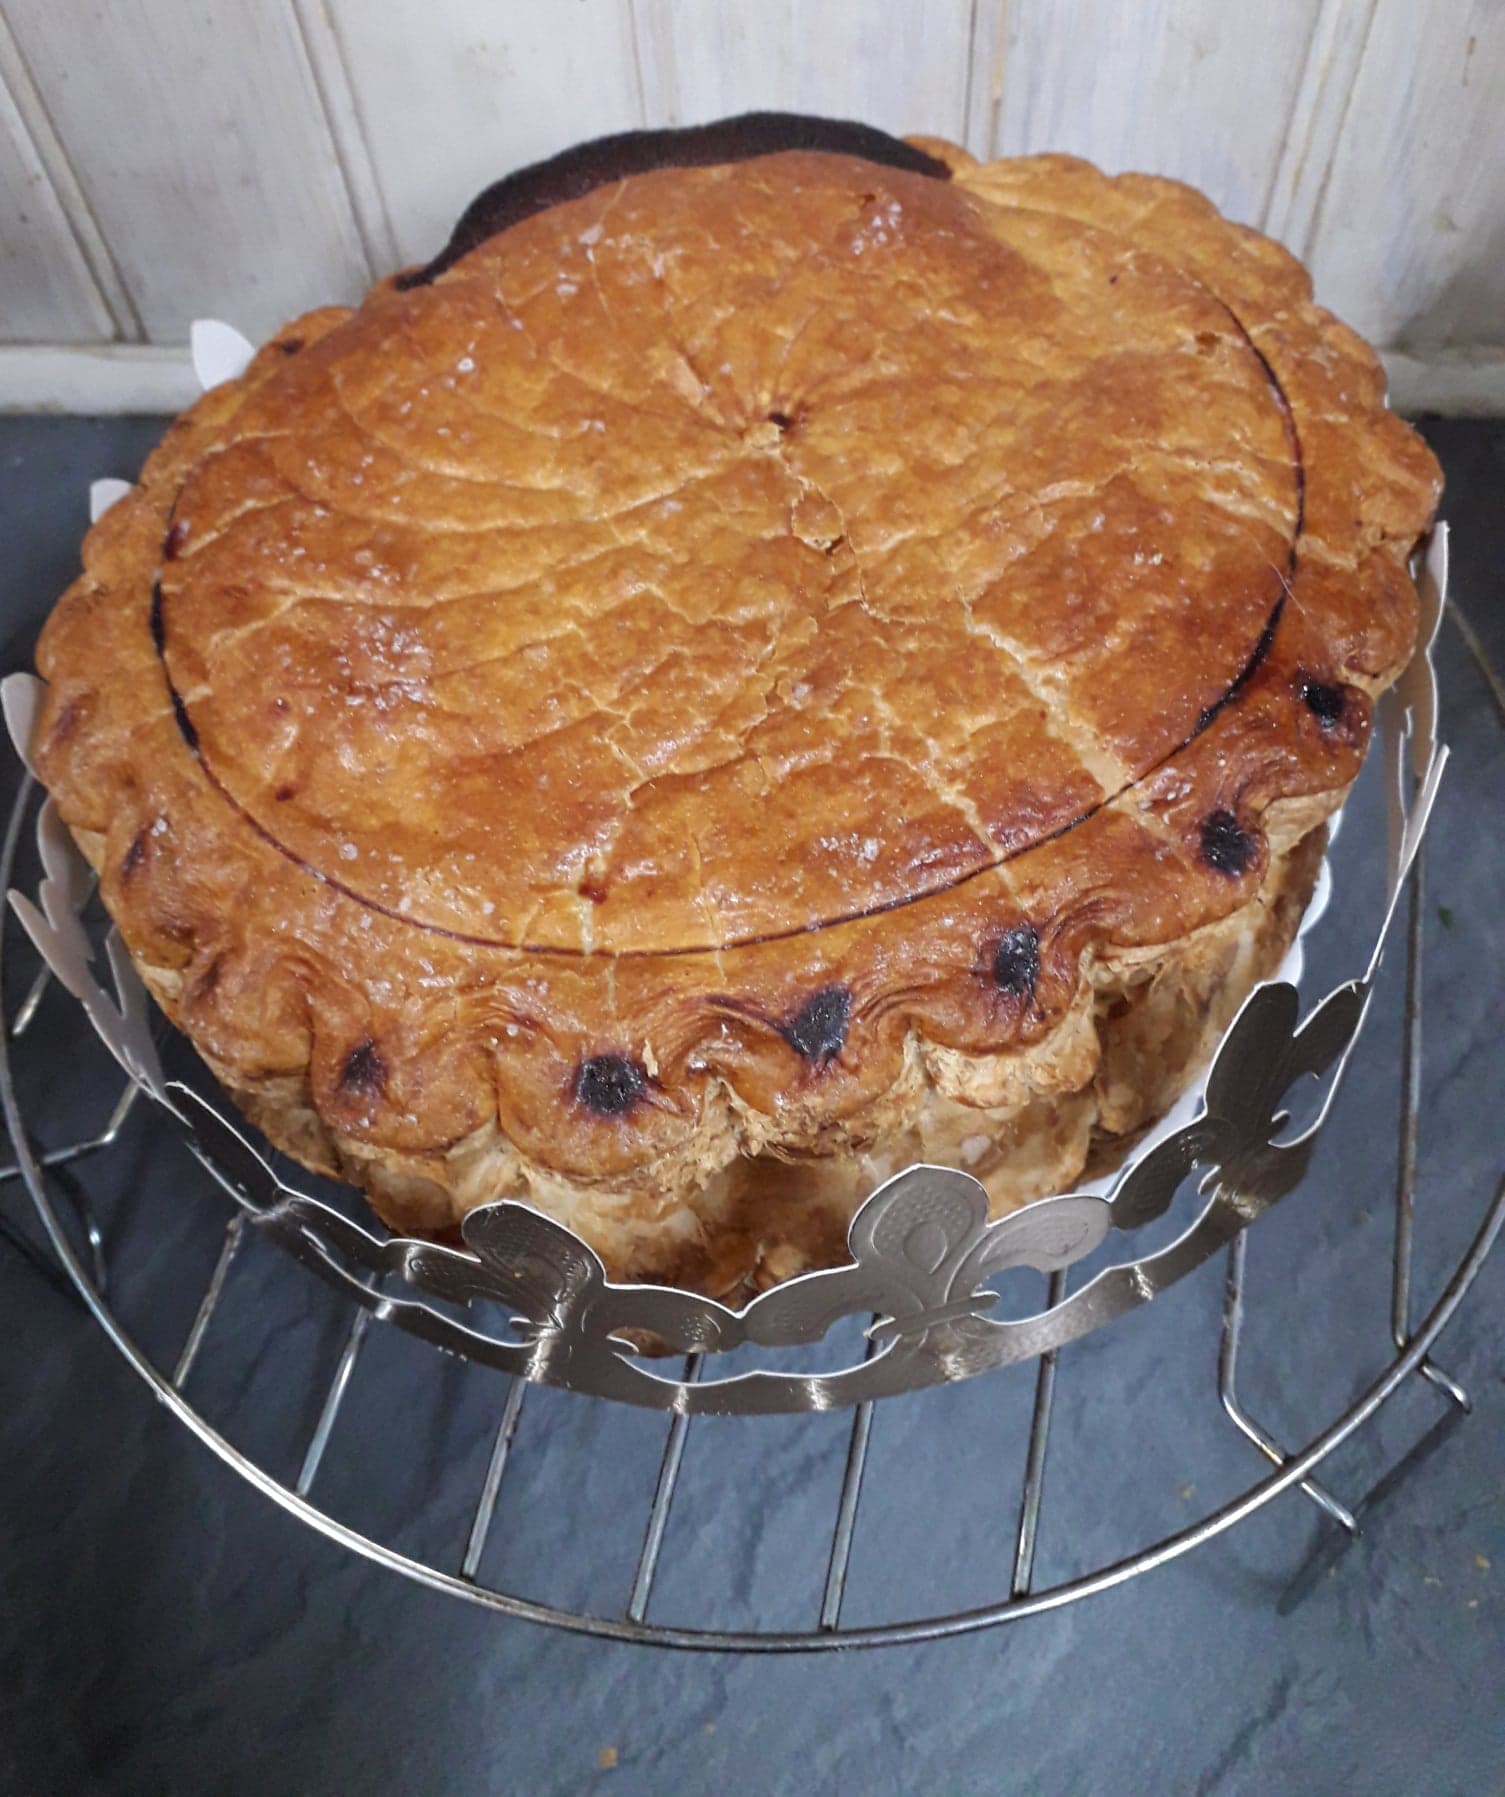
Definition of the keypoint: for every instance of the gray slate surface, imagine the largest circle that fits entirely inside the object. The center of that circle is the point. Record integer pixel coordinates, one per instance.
(164, 1628)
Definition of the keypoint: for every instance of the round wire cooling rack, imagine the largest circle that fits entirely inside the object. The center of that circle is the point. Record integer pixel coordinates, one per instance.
(61, 1182)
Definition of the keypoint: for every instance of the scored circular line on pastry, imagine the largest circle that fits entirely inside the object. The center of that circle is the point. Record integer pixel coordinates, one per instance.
(964, 813)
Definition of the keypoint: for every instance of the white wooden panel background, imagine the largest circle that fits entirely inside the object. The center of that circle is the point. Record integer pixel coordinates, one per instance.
(162, 160)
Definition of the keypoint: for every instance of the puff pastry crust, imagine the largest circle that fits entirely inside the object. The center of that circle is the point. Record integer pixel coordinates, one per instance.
(737, 676)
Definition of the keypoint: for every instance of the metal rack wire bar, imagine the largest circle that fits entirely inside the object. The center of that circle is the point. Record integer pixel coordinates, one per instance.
(229, 1248)
(30, 1004)
(846, 1519)
(663, 1497)
(501, 1448)
(1410, 1121)
(1034, 1459)
(360, 1323)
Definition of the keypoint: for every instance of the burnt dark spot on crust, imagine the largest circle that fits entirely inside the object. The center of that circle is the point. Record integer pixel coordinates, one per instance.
(579, 171)
(135, 856)
(284, 793)
(610, 1084)
(159, 634)
(594, 890)
(818, 1029)
(1227, 847)
(364, 1071)
(172, 543)
(782, 419)
(290, 345)
(1016, 963)
(834, 545)
(1325, 703)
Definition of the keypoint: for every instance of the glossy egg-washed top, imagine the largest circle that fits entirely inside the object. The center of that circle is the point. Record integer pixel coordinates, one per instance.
(720, 621)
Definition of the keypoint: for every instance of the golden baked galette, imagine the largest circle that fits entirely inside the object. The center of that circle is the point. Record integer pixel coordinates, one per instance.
(780, 654)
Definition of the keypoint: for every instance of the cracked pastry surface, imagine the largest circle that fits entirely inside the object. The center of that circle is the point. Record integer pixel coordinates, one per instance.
(735, 675)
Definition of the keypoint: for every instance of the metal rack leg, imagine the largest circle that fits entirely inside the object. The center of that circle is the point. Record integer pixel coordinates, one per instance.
(78, 1203)
(1410, 1135)
(29, 1006)
(25, 1016)
(1401, 1333)
(88, 1225)
(1474, 643)
(1228, 1346)
(76, 1200)
(75, 1151)
(1327, 1553)
(1332, 1548)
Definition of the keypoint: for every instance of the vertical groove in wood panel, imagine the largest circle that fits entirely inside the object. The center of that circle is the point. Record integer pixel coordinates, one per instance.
(1408, 237)
(635, 34)
(46, 290)
(119, 315)
(1295, 140)
(1196, 89)
(1319, 108)
(902, 67)
(154, 164)
(204, 153)
(986, 54)
(453, 94)
(967, 85)
(1304, 227)
(326, 60)
(653, 47)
